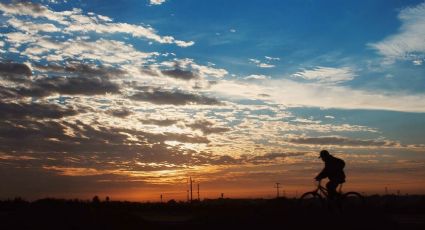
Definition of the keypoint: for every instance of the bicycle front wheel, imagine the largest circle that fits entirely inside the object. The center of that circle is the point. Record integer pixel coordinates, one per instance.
(352, 200)
(311, 200)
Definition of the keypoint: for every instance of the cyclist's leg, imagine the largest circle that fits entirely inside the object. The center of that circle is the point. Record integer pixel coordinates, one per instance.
(331, 186)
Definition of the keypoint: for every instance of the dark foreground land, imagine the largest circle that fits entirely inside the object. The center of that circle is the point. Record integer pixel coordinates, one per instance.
(379, 212)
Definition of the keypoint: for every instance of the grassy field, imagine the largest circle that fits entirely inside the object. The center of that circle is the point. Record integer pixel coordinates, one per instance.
(379, 212)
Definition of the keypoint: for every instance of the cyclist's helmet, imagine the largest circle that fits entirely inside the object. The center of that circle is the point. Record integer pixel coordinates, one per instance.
(324, 153)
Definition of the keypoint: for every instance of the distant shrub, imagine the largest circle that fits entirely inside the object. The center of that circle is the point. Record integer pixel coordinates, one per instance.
(96, 200)
(172, 202)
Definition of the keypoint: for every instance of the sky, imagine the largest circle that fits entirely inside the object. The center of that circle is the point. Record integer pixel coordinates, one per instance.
(129, 98)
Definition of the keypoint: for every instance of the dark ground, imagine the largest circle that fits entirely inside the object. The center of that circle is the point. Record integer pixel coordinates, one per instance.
(379, 212)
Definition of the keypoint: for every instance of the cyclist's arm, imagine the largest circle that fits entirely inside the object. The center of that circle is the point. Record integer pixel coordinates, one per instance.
(323, 174)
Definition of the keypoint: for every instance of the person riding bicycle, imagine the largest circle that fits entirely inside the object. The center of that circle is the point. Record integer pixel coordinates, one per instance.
(334, 170)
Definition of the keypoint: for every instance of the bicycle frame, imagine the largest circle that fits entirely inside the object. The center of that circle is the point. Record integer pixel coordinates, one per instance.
(322, 191)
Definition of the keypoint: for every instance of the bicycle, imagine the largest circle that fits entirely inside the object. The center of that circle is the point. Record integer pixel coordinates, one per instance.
(317, 197)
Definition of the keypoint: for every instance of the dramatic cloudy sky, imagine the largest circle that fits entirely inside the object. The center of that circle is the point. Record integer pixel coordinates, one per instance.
(129, 98)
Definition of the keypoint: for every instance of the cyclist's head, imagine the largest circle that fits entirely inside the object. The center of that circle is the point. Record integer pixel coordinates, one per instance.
(324, 154)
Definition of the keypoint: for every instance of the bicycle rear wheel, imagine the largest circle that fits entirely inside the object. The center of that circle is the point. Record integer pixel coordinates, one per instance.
(311, 200)
(352, 200)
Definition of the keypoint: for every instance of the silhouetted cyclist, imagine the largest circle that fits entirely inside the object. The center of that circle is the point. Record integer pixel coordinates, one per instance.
(334, 170)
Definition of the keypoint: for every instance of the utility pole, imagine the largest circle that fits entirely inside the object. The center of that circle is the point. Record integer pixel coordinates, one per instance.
(277, 190)
(386, 190)
(198, 193)
(161, 198)
(191, 189)
(187, 190)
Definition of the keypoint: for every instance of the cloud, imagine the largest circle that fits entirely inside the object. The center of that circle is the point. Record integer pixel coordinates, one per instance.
(14, 70)
(409, 42)
(260, 64)
(76, 22)
(34, 110)
(327, 74)
(78, 69)
(101, 50)
(272, 58)
(295, 94)
(156, 2)
(77, 79)
(184, 44)
(78, 139)
(35, 11)
(166, 122)
(188, 64)
(174, 97)
(74, 148)
(56, 1)
(341, 141)
(33, 28)
(256, 77)
(179, 74)
(209, 71)
(417, 62)
(122, 113)
(82, 85)
(272, 157)
(207, 127)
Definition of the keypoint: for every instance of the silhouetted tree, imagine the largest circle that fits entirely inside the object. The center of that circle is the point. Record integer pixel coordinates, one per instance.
(172, 202)
(96, 200)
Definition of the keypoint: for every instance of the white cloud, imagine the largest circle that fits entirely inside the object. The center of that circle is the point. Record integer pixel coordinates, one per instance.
(156, 2)
(232, 30)
(76, 22)
(104, 18)
(106, 51)
(56, 1)
(184, 44)
(134, 30)
(210, 71)
(260, 64)
(272, 58)
(31, 27)
(257, 77)
(409, 42)
(417, 62)
(255, 61)
(326, 74)
(18, 38)
(265, 65)
(292, 93)
(35, 11)
(201, 70)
